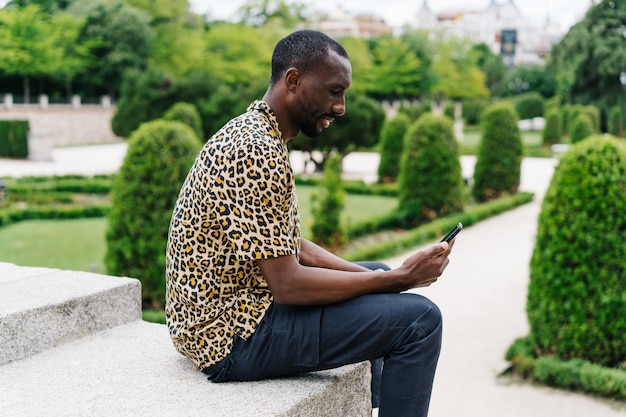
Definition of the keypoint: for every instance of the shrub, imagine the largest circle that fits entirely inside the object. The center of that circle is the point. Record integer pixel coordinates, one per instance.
(576, 298)
(391, 144)
(616, 122)
(472, 110)
(159, 156)
(594, 115)
(499, 154)
(529, 105)
(327, 204)
(430, 181)
(186, 113)
(582, 127)
(14, 138)
(552, 130)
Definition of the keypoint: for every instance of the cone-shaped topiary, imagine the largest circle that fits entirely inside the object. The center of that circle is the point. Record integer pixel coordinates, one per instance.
(391, 145)
(552, 130)
(327, 202)
(144, 192)
(499, 156)
(577, 294)
(582, 128)
(430, 182)
(186, 113)
(616, 122)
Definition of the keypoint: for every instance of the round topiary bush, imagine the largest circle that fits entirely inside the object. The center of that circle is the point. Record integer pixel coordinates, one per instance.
(577, 293)
(582, 128)
(187, 114)
(144, 192)
(327, 203)
(499, 155)
(552, 130)
(529, 105)
(391, 145)
(430, 181)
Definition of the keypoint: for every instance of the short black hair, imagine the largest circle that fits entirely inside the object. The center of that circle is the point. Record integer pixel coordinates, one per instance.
(304, 50)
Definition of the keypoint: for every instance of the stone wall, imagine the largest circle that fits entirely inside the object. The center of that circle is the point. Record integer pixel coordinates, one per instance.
(65, 125)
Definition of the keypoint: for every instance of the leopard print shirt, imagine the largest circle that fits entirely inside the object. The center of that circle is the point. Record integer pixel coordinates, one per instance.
(238, 204)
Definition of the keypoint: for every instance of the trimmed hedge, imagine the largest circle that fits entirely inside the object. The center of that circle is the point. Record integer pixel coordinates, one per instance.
(159, 156)
(577, 291)
(327, 202)
(529, 105)
(14, 138)
(616, 122)
(391, 146)
(499, 157)
(430, 182)
(582, 128)
(552, 131)
(188, 114)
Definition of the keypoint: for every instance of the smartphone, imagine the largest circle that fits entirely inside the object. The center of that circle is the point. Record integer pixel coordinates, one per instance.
(452, 233)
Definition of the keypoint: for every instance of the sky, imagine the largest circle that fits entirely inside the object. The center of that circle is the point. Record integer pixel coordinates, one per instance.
(398, 12)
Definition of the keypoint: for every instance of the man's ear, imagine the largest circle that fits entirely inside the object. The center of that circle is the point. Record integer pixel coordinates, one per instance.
(292, 79)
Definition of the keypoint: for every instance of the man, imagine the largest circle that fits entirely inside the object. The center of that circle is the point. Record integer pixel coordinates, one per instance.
(247, 297)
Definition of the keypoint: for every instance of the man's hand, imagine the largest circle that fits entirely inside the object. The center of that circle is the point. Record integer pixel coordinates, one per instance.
(426, 266)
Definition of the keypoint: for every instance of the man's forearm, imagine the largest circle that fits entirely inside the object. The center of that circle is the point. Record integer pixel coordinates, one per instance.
(314, 255)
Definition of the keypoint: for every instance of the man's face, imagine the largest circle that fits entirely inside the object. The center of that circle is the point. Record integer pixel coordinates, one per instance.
(322, 95)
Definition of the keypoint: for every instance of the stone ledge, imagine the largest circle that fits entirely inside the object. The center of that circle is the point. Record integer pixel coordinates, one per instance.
(73, 344)
(133, 370)
(40, 307)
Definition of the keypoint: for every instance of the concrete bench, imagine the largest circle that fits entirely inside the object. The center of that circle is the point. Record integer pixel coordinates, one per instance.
(73, 344)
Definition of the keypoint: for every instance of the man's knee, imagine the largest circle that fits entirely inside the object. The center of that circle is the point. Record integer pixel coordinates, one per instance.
(422, 311)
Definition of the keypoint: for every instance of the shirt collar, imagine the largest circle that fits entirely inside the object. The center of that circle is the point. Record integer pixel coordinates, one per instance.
(264, 108)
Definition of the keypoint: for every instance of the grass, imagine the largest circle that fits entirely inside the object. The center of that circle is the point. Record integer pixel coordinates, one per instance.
(532, 140)
(80, 244)
(65, 244)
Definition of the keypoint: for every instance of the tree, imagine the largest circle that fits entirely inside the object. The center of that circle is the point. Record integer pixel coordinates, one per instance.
(179, 41)
(327, 202)
(395, 69)
(158, 159)
(122, 37)
(360, 126)
(493, 67)
(499, 156)
(590, 57)
(260, 12)
(457, 75)
(576, 297)
(430, 181)
(391, 147)
(28, 44)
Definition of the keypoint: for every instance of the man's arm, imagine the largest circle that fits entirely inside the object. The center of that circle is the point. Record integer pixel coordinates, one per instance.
(295, 283)
(314, 255)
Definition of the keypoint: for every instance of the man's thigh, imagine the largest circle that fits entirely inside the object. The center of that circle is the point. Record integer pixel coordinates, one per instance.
(300, 339)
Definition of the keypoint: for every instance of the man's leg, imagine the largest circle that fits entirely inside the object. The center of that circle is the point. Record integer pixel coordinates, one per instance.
(404, 329)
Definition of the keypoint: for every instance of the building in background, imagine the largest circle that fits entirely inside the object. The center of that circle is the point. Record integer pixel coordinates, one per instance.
(499, 25)
(338, 22)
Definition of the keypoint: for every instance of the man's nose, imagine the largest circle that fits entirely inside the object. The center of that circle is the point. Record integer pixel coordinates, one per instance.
(339, 107)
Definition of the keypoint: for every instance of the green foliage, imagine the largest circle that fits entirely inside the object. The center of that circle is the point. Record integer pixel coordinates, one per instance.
(575, 374)
(14, 138)
(577, 292)
(529, 105)
(122, 38)
(187, 114)
(326, 206)
(616, 122)
(499, 156)
(431, 184)
(590, 57)
(159, 156)
(582, 128)
(552, 130)
(473, 109)
(360, 126)
(391, 145)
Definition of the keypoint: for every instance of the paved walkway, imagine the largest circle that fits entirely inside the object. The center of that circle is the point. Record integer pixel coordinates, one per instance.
(482, 295)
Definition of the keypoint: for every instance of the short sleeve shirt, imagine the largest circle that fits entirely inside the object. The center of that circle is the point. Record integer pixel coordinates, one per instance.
(237, 205)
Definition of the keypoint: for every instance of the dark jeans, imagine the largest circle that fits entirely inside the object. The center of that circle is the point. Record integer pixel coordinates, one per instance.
(402, 329)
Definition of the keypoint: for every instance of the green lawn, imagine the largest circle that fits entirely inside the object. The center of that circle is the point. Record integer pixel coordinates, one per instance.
(81, 244)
